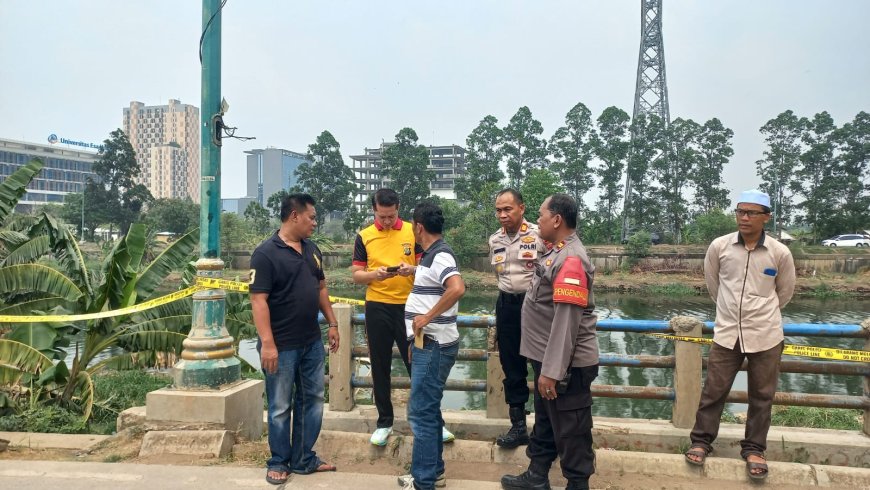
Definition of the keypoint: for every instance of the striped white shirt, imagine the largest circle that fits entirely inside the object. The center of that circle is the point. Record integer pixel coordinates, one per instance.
(436, 265)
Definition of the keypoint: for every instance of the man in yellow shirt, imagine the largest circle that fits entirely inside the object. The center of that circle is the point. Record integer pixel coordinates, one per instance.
(378, 250)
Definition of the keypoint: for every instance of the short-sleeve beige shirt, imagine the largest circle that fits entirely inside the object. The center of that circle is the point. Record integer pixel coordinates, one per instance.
(750, 287)
(513, 258)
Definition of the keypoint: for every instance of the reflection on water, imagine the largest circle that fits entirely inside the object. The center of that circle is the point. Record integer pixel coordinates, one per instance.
(616, 305)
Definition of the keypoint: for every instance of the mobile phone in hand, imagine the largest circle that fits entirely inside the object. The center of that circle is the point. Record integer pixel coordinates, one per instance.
(393, 269)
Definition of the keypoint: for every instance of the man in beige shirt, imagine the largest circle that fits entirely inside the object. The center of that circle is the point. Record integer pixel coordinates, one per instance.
(751, 277)
(513, 251)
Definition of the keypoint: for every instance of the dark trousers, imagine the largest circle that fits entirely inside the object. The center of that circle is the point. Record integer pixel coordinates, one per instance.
(385, 326)
(563, 427)
(722, 367)
(515, 366)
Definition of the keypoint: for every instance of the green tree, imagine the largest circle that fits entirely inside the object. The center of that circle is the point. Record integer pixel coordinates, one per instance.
(612, 151)
(483, 155)
(353, 221)
(714, 142)
(115, 194)
(173, 215)
(707, 226)
(674, 171)
(539, 184)
(816, 179)
(853, 141)
(523, 146)
(647, 144)
(327, 179)
(406, 165)
(573, 147)
(258, 217)
(273, 203)
(468, 239)
(776, 170)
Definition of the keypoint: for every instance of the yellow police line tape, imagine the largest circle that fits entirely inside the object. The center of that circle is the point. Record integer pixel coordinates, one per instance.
(790, 350)
(202, 283)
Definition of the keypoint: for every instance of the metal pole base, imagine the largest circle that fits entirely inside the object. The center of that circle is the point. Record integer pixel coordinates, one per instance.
(208, 359)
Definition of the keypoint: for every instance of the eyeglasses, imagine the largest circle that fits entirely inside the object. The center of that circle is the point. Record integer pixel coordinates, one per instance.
(748, 212)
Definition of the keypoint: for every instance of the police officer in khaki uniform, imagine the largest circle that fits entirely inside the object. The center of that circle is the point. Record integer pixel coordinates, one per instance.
(513, 251)
(559, 339)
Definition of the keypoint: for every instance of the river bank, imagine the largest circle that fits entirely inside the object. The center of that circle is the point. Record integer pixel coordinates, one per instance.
(638, 281)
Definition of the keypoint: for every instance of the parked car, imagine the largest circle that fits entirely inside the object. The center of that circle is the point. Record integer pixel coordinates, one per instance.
(847, 241)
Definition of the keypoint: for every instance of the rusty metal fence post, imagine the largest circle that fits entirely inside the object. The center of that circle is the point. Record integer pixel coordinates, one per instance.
(687, 372)
(496, 408)
(341, 362)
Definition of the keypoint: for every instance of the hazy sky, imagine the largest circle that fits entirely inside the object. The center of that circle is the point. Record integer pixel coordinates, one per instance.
(365, 69)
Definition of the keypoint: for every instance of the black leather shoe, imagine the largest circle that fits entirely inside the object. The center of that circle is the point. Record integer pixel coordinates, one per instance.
(528, 480)
(578, 485)
(518, 434)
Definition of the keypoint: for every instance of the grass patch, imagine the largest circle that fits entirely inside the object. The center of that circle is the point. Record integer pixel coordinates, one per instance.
(728, 417)
(44, 418)
(823, 291)
(818, 418)
(671, 289)
(116, 391)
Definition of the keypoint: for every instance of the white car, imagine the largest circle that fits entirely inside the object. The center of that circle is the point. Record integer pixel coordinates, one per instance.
(847, 241)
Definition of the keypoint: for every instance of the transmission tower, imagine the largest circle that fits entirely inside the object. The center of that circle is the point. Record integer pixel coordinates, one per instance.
(651, 89)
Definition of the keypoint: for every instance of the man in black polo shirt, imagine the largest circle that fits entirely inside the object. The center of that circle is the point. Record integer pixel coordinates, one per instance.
(287, 289)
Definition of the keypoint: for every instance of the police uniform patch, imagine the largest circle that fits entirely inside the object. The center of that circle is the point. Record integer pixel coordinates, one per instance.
(524, 228)
(499, 269)
(498, 259)
(528, 239)
(252, 276)
(406, 248)
(530, 264)
(549, 262)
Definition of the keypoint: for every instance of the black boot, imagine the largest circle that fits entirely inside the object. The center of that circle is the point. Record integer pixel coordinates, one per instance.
(525, 481)
(517, 435)
(578, 485)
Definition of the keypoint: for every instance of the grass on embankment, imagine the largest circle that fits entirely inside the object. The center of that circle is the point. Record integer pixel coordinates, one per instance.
(809, 417)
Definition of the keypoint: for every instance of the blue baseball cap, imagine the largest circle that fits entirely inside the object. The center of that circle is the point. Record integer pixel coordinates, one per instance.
(754, 196)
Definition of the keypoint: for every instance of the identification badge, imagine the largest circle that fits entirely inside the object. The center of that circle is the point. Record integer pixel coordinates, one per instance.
(497, 259)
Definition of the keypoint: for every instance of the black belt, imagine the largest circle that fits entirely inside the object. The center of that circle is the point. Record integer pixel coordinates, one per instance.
(513, 298)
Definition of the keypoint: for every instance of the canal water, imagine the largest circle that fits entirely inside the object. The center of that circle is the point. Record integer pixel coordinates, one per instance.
(626, 306)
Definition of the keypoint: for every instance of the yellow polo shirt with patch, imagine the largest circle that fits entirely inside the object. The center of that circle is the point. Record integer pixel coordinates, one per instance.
(376, 246)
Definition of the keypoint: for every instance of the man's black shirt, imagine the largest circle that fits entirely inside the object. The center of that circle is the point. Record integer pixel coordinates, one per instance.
(292, 281)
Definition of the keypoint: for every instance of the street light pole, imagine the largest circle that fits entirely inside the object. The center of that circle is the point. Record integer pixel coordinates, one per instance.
(82, 229)
(208, 359)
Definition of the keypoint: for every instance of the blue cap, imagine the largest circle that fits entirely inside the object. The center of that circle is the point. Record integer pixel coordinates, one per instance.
(754, 196)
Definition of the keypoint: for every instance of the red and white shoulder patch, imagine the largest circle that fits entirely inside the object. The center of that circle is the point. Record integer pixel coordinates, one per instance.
(571, 285)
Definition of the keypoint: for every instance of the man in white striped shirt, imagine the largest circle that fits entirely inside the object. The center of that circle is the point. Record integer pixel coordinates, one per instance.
(430, 313)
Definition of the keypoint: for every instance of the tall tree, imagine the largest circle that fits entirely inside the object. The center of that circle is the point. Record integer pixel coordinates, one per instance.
(523, 146)
(612, 151)
(714, 144)
(816, 179)
(537, 186)
(674, 170)
(273, 203)
(573, 147)
(853, 139)
(776, 170)
(115, 191)
(327, 179)
(483, 154)
(173, 215)
(647, 144)
(258, 217)
(406, 164)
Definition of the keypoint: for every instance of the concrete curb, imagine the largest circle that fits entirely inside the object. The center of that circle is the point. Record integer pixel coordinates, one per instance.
(39, 440)
(349, 445)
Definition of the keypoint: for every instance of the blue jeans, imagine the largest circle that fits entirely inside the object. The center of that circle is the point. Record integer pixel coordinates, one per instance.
(297, 384)
(430, 367)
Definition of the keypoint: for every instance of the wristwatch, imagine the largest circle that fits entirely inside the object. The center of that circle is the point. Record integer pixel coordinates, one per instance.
(333, 325)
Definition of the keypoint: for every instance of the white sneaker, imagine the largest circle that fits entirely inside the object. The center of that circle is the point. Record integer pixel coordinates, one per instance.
(446, 435)
(407, 481)
(379, 437)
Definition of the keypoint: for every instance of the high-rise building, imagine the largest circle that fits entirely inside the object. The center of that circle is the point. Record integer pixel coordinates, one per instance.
(447, 162)
(271, 170)
(65, 171)
(166, 140)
